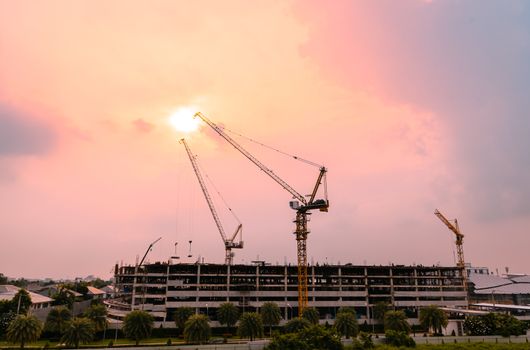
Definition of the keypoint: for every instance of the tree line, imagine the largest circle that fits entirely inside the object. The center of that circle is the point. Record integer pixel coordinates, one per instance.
(298, 333)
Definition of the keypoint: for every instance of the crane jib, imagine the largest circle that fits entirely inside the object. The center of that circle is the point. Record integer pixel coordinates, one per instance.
(301, 211)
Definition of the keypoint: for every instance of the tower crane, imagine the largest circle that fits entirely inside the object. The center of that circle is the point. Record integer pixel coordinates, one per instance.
(228, 242)
(453, 226)
(301, 204)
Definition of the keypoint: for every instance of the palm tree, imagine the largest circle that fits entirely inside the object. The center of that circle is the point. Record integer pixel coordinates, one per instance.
(271, 315)
(197, 329)
(379, 310)
(311, 314)
(137, 325)
(396, 321)
(79, 330)
(434, 318)
(24, 329)
(181, 315)
(57, 319)
(346, 324)
(98, 314)
(250, 325)
(296, 324)
(228, 314)
(21, 301)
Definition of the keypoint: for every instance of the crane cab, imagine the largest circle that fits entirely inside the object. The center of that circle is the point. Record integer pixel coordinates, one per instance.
(295, 205)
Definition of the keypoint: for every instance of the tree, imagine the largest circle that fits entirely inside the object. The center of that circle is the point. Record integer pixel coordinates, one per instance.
(3, 279)
(476, 325)
(21, 302)
(99, 283)
(289, 341)
(228, 314)
(137, 325)
(311, 338)
(197, 329)
(366, 340)
(396, 321)
(79, 330)
(399, 338)
(57, 320)
(97, 313)
(494, 324)
(432, 317)
(509, 325)
(349, 309)
(63, 297)
(24, 329)
(271, 315)
(181, 315)
(6, 306)
(250, 325)
(321, 338)
(5, 320)
(379, 310)
(296, 324)
(346, 324)
(311, 314)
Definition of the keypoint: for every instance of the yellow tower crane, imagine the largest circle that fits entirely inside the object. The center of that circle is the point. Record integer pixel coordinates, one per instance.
(228, 242)
(453, 226)
(301, 204)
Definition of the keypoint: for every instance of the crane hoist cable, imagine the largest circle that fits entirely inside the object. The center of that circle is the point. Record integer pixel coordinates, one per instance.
(209, 179)
(302, 207)
(273, 148)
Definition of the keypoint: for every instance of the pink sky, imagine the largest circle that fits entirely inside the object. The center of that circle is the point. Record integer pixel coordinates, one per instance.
(412, 105)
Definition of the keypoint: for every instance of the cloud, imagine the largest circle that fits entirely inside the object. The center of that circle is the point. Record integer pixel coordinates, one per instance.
(143, 126)
(23, 135)
(467, 63)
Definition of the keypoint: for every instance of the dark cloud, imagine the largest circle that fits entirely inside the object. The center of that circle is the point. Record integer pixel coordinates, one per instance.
(22, 135)
(468, 62)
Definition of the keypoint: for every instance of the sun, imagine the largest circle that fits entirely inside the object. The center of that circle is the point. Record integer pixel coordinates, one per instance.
(182, 120)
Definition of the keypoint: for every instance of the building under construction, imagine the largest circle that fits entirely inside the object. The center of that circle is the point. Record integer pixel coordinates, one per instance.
(160, 288)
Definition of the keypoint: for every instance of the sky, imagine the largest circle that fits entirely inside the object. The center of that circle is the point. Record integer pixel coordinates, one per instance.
(412, 105)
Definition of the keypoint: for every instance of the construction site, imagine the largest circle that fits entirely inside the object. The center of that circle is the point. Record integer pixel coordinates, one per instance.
(162, 287)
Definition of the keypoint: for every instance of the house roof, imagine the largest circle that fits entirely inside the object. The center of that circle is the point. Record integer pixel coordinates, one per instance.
(8, 292)
(490, 284)
(95, 291)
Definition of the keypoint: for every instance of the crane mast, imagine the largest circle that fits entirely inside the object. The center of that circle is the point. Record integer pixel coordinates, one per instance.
(302, 211)
(453, 226)
(228, 242)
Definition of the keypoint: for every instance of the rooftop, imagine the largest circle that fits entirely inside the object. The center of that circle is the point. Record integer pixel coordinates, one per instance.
(8, 292)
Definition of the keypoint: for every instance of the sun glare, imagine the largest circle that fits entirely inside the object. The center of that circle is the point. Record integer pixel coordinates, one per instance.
(182, 120)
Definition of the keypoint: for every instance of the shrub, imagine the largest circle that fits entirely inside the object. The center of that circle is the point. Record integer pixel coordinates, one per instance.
(289, 341)
(494, 324)
(296, 325)
(356, 345)
(366, 340)
(397, 338)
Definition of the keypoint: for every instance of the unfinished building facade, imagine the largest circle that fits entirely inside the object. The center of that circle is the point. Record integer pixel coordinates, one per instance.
(160, 288)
